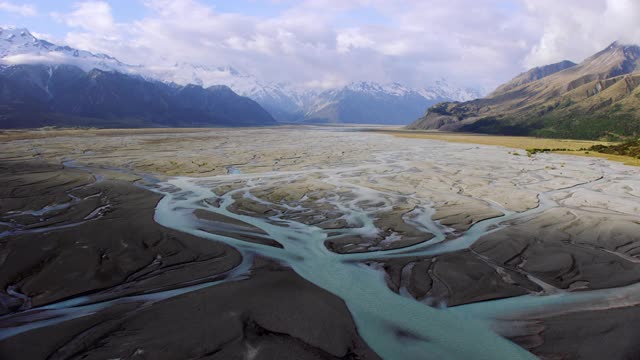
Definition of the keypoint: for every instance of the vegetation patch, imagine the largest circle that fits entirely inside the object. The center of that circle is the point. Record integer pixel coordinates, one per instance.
(533, 151)
(629, 148)
(626, 152)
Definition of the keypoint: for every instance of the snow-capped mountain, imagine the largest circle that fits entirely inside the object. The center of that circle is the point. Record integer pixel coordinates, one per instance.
(358, 102)
(285, 101)
(368, 102)
(288, 102)
(377, 89)
(441, 89)
(19, 46)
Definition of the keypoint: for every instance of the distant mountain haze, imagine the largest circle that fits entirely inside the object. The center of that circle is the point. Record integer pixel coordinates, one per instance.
(373, 103)
(359, 102)
(598, 98)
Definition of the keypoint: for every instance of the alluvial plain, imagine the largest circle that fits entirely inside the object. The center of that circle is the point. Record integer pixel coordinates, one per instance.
(328, 242)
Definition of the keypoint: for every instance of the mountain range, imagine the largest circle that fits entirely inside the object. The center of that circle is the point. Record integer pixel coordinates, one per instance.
(19, 46)
(596, 99)
(65, 95)
(374, 103)
(359, 102)
(356, 102)
(42, 84)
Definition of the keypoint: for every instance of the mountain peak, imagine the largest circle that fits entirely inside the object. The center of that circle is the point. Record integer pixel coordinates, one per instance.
(615, 60)
(532, 75)
(24, 32)
(620, 45)
(375, 88)
(282, 98)
(230, 70)
(593, 99)
(17, 36)
(19, 46)
(627, 49)
(613, 45)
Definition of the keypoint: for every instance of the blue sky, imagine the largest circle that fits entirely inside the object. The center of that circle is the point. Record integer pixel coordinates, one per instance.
(123, 10)
(130, 10)
(325, 43)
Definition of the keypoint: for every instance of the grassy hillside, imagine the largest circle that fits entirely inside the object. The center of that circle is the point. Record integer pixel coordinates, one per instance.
(597, 99)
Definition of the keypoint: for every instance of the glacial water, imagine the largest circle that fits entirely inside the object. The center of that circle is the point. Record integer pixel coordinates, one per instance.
(394, 325)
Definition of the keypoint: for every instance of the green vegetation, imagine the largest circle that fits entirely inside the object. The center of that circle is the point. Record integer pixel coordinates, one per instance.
(606, 125)
(591, 101)
(627, 153)
(533, 151)
(630, 149)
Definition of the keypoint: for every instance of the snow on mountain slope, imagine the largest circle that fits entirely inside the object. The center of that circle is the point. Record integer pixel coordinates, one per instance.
(281, 99)
(441, 89)
(19, 46)
(373, 88)
(393, 102)
(367, 102)
(287, 102)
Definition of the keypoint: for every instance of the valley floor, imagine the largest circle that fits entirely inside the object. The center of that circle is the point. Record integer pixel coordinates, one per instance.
(571, 146)
(312, 243)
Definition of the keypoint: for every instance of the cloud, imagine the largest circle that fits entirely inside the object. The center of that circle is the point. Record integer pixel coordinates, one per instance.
(22, 10)
(329, 81)
(94, 16)
(94, 27)
(46, 58)
(575, 29)
(321, 43)
(351, 39)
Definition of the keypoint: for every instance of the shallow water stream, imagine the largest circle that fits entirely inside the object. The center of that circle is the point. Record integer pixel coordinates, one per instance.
(394, 325)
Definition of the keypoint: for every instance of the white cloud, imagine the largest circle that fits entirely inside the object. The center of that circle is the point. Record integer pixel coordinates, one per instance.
(351, 39)
(575, 29)
(329, 81)
(46, 58)
(324, 42)
(94, 16)
(22, 9)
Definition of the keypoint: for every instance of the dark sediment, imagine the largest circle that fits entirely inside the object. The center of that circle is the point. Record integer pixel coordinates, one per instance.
(105, 245)
(273, 314)
(454, 279)
(589, 335)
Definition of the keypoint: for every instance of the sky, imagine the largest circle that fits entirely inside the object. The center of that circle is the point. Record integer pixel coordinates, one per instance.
(328, 43)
